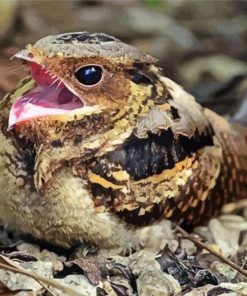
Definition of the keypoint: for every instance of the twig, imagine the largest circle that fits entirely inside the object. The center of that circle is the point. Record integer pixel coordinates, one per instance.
(186, 235)
(43, 279)
(46, 287)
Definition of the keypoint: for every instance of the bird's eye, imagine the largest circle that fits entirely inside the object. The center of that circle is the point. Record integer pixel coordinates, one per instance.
(89, 75)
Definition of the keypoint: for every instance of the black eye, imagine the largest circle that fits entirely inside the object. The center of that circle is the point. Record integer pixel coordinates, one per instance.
(89, 75)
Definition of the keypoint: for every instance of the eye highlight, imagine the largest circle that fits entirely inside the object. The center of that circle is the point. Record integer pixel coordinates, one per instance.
(89, 75)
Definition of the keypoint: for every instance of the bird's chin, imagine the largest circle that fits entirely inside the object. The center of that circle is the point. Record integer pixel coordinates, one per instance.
(50, 97)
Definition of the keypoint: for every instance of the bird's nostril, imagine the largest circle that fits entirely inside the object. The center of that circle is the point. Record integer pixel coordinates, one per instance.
(30, 55)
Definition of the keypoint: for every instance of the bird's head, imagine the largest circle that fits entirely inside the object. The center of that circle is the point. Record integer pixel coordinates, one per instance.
(81, 74)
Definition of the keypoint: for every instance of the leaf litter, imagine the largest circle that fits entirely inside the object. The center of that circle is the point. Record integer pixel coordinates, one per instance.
(180, 267)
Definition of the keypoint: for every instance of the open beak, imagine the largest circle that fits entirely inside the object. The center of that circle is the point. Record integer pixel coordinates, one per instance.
(50, 97)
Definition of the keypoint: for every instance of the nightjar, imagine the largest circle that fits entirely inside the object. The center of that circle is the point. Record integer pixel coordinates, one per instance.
(96, 142)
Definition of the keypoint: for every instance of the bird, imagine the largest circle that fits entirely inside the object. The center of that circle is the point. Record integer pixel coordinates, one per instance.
(96, 142)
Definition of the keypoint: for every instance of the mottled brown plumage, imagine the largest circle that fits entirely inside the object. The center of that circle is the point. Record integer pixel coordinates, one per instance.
(93, 162)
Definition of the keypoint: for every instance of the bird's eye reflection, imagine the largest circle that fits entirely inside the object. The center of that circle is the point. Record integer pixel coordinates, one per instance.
(89, 75)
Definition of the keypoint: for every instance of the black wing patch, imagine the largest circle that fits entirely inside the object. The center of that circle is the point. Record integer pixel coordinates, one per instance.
(142, 158)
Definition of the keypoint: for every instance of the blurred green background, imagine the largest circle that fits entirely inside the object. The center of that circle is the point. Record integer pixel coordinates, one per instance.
(201, 44)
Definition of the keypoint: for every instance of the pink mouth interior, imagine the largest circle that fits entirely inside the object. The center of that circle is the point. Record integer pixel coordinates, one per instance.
(50, 97)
